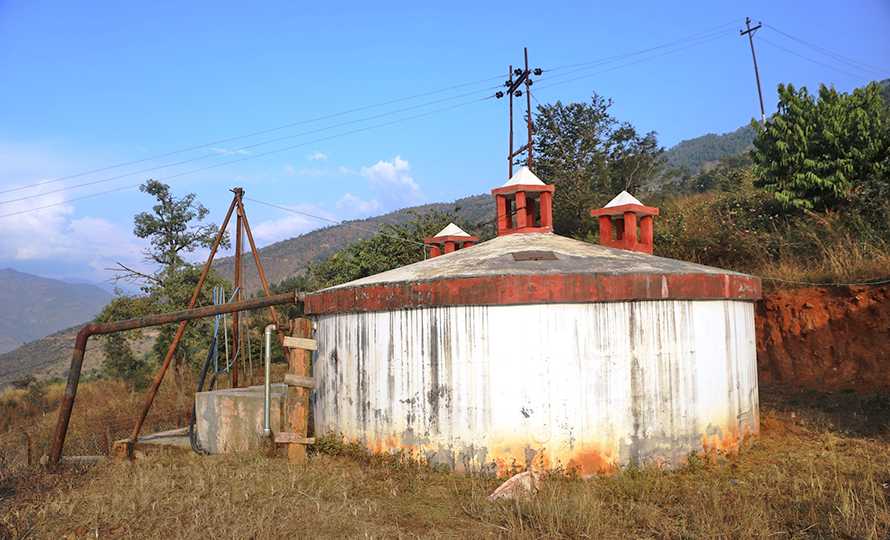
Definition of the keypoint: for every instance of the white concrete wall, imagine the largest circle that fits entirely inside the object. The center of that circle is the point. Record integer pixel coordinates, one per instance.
(590, 386)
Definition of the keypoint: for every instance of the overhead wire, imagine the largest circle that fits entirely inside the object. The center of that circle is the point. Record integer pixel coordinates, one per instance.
(813, 60)
(851, 62)
(558, 81)
(236, 150)
(248, 135)
(648, 49)
(42, 194)
(332, 221)
(249, 157)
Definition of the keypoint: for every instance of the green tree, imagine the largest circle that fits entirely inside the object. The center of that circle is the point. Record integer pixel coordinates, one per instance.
(825, 152)
(173, 228)
(591, 157)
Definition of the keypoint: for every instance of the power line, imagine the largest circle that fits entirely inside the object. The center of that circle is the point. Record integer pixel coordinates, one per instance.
(677, 46)
(851, 62)
(239, 149)
(335, 222)
(248, 135)
(813, 60)
(254, 156)
(620, 66)
(682, 40)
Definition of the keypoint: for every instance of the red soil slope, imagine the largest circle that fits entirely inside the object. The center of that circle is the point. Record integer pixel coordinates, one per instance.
(825, 338)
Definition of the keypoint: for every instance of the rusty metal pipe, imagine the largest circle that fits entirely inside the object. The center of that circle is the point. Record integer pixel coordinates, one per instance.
(80, 344)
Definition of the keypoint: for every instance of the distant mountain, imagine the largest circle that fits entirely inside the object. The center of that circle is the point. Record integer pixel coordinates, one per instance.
(291, 257)
(32, 307)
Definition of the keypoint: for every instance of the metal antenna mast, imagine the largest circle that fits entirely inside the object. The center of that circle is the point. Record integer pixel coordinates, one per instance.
(750, 33)
(523, 76)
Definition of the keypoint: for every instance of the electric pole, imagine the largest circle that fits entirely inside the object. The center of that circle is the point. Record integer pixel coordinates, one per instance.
(510, 151)
(523, 77)
(750, 33)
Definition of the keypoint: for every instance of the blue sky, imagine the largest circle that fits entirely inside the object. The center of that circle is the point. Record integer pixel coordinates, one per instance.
(89, 85)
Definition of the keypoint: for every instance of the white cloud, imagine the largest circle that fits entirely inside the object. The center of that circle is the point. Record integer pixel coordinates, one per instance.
(357, 205)
(50, 240)
(50, 235)
(317, 156)
(393, 181)
(291, 225)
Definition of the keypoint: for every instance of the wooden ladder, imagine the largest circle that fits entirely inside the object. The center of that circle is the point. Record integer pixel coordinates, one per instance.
(298, 349)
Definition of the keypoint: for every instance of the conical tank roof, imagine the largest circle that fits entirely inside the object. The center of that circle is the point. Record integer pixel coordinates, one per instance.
(534, 268)
(451, 230)
(623, 198)
(524, 177)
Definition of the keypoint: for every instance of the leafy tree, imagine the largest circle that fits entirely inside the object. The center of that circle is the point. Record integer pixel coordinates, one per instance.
(393, 246)
(173, 228)
(591, 157)
(825, 152)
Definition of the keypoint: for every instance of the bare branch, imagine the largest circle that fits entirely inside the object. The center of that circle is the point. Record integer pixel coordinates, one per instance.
(131, 274)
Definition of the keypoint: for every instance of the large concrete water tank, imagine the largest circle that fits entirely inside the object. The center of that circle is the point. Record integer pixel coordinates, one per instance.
(533, 347)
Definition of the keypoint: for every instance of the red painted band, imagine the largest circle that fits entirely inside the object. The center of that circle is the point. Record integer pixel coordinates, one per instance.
(441, 239)
(533, 289)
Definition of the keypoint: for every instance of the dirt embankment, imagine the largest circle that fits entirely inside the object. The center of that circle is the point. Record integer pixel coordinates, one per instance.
(825, 338)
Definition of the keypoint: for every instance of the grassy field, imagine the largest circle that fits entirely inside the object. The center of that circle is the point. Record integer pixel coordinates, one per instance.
(811, 474)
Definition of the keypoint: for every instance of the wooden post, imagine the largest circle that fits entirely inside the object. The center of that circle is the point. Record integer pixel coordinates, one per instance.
(298, 363)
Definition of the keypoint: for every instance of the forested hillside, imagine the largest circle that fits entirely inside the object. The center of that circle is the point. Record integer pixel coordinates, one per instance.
(692, 155)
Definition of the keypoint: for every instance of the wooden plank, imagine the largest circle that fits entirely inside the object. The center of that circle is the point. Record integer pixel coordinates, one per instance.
(292, 438)
(300, 381)
(298, 361)
(300, 343)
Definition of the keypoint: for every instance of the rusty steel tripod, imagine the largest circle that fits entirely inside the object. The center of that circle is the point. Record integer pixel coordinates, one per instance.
(242, 226)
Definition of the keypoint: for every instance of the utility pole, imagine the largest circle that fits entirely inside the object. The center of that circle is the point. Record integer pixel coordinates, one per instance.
(750, 33)
(523, 76)
(510, 152)
(528, 111)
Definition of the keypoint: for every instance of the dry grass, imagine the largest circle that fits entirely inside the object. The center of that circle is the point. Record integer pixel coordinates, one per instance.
(798, 480)
(748, 232)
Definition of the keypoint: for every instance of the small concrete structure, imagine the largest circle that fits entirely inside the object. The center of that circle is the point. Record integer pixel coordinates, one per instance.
(231, 420)
(524, 204)
(449, 239)
(626, 212)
